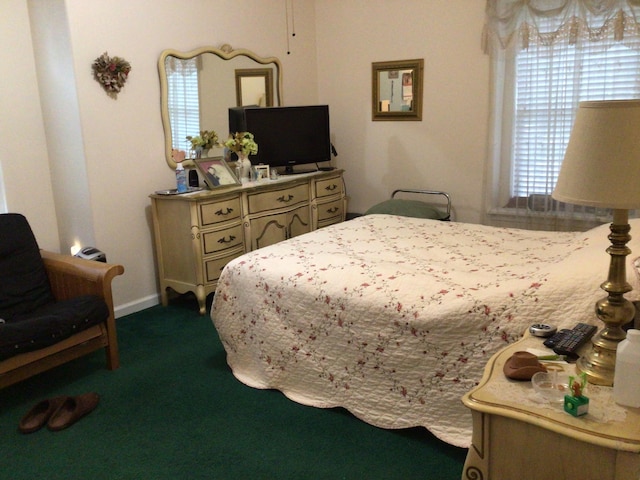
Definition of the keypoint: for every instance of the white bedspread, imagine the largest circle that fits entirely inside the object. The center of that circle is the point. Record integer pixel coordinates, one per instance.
(394, 318)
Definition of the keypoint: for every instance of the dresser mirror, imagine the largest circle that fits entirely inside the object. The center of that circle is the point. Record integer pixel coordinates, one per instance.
(397, 90)
(198, 87)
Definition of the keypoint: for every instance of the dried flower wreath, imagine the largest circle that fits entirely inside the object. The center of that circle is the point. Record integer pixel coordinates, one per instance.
(111, 73)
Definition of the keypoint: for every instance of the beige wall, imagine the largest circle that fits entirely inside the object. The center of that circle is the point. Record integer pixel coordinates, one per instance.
(446, 150)
(329, 62)
(24, 164)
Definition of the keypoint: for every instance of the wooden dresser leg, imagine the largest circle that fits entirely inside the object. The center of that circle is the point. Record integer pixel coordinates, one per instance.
(201, 295)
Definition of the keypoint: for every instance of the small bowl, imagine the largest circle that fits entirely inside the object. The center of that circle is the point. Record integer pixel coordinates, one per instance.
(552, 385)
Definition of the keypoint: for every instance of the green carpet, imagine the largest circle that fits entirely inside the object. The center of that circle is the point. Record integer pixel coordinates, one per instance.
(173, 410)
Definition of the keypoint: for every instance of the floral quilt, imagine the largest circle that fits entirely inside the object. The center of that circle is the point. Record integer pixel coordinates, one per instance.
(394, 318)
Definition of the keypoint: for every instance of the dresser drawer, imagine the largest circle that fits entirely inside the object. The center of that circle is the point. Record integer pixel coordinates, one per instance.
(219, 240)
(275, 199)
(329, 186)
(330, 210)
(213, 267)
(219, 211)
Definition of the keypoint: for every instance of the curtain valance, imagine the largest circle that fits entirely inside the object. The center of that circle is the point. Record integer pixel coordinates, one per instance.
(186, 66)
(519, 23)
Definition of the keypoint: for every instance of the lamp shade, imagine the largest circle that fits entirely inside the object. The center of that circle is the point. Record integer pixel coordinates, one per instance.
(601, 166)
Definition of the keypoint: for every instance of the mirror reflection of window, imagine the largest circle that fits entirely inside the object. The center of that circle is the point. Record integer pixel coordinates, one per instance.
(182, 101)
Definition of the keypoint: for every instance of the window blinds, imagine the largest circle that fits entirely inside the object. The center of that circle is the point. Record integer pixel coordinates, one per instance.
(550, 82)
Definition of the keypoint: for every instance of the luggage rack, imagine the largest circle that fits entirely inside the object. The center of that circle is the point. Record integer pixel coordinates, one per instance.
(413, 208)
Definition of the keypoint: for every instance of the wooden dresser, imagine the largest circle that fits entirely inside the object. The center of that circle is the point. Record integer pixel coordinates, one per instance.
(197, 234)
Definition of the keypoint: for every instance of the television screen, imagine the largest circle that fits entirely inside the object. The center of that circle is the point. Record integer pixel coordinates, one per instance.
(288, 136)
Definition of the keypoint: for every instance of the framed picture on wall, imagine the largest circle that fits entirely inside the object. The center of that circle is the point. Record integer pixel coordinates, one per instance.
(216, 172)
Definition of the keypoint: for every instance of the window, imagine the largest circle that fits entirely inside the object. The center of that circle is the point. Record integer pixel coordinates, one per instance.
(183, 101)
(545, 61)
(550, 82)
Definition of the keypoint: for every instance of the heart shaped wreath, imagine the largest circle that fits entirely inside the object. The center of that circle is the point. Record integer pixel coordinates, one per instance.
(111, 73)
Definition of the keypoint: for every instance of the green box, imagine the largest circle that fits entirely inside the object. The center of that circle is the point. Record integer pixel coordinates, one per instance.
(576, 406)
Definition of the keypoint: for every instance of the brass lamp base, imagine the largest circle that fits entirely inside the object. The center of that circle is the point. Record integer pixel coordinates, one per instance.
(614, 310)
(600, 362)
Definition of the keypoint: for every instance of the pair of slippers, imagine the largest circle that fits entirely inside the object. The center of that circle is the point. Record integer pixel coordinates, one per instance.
(58, 413)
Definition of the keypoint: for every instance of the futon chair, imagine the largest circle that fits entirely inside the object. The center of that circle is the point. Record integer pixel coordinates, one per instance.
(53, 308)
(414, 208)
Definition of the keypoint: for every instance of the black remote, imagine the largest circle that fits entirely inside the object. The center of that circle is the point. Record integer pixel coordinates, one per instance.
(573, 339)
(554, 339)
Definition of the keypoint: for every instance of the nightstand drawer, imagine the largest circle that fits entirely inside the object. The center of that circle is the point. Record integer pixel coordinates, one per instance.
(330, 186)
(274, 199)
(219, 240)
(219, 211)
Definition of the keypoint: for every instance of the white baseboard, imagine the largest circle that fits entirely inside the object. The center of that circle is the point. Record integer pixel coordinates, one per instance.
(136, 306)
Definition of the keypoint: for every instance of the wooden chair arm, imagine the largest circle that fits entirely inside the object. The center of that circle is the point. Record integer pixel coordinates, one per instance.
(72, 276)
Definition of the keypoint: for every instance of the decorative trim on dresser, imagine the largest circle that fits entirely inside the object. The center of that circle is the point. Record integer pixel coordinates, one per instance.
(197, 234)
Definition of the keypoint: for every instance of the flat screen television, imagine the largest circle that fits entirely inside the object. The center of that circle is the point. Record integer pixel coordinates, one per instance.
(286, 136)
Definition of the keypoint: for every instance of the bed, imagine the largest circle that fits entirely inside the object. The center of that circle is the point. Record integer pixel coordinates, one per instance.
(394, 318)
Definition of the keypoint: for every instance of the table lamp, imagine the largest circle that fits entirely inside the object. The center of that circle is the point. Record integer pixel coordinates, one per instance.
(601, 168)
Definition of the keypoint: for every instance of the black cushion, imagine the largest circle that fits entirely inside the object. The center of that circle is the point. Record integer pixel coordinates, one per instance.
(24, 285)
(30, 318)
(50, 324)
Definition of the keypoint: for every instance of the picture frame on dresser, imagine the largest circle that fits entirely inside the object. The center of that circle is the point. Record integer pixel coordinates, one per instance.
(262, 172)
(216, 172)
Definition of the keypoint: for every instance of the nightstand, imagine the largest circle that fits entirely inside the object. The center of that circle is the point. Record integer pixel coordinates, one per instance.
(518, 436)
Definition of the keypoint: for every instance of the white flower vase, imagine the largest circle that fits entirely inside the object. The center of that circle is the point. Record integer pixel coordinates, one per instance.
(245, 167)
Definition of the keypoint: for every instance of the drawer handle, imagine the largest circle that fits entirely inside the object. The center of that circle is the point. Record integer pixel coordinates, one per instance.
(224, 240)
(220, 212)
(333, 210)
(286, 199)
(331, 187)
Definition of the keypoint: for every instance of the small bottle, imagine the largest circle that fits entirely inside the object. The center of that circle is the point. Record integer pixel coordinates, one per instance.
(626, 381)
(181, 178)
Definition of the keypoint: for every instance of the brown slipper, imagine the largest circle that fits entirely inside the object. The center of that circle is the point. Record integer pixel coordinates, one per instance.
(40, 414)
(72, 410)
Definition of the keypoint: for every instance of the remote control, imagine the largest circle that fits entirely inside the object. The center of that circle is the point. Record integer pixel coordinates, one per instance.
(567, 342)
(553, 340)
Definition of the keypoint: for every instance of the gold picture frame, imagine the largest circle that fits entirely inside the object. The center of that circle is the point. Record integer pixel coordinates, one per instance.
(216, 172)
(397, 90)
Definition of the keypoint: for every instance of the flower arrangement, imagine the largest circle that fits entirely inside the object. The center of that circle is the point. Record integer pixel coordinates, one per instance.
(242, 142)
(205, 141)
(111, 73)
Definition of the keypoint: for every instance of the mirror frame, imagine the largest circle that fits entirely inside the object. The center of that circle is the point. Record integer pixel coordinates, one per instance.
(265, 73)
(225, 52)
(415, 114)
